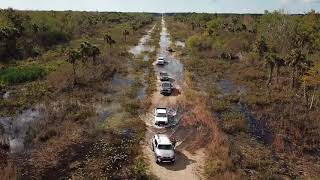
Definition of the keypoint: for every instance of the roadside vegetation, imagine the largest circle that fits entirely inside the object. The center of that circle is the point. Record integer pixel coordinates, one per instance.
(257, 74)
(66, 62)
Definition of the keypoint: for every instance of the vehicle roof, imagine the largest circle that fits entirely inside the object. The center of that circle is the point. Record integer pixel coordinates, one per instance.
(163, 139)
(161, 110)
(166, 82)
(163, 73)
(160, 58)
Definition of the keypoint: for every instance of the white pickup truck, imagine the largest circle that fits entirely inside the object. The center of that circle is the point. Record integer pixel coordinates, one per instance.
(163, 148)
(160, 116)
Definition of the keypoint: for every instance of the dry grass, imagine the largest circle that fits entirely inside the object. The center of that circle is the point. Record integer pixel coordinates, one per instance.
(208, 135)
(66, 135)
(9, 173)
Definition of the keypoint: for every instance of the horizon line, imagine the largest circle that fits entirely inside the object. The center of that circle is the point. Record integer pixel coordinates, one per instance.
(154, 12)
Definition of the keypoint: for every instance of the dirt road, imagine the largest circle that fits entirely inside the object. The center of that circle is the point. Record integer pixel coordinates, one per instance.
(187, 165)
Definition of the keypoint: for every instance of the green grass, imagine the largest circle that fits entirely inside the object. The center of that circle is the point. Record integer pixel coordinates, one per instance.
(14, 75)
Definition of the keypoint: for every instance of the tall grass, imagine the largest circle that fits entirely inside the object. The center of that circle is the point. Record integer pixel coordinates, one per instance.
(14, 75)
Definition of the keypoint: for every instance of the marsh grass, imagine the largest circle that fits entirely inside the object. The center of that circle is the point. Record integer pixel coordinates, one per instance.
(14, 75)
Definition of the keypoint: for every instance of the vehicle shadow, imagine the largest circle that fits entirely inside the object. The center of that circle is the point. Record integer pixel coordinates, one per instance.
(172, 80)
(175, 92)
(182, 161)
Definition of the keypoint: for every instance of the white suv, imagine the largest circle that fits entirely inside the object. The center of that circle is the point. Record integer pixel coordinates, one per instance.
(164, 149)
(160, 116)
(160, 61)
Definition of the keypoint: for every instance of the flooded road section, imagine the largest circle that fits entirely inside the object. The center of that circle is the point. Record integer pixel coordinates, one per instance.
(173, 66)
(186, 165)
(121, 83)
(143, 45)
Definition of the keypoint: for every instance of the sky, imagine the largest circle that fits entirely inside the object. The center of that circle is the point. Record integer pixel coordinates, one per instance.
(163, 6)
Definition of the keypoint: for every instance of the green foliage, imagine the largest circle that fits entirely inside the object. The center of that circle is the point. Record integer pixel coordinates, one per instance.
(34, 32)
(140, 168)
(312, 76)
(198, 43)
(13, 75)
(261, 46)
(87, 50)
(213, 26)
(109, 39)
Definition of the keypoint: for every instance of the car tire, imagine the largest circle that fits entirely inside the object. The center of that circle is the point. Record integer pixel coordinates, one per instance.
(158, 162)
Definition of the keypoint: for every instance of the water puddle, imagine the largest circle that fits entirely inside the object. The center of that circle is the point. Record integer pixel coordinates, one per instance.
(174, 68)
(256, 127)
(6, 95)
(143, 45)
(228, 87)
(180, 44)
(119, 81)
(143, 48)
(15, 132)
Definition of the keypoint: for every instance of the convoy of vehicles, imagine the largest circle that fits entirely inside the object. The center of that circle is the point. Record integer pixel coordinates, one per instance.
(163, 148)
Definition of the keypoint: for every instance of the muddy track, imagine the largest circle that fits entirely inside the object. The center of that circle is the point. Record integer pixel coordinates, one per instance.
(187, 165)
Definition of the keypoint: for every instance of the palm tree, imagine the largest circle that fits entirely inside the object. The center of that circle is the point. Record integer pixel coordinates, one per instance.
(73, 57)
(270, 61)
(261, 46)
(84, 50)
(279, 62)
(298, 62)
(109, 40)
(125, 34)
(95, 51)
(87, 50)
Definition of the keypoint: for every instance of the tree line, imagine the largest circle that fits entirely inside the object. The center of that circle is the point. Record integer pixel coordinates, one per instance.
(25, 34)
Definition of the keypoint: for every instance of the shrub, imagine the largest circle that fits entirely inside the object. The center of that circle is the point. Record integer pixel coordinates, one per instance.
(234, 122)
(132, 107)
(139, 169)
(219, 105)
(199, 43)
(13, 75)
(47, 39)
(61, 79)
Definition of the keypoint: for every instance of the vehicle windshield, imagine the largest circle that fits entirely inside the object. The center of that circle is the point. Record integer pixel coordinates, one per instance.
(165, 85)
(161, 115)
(163, 74)
(165, 146)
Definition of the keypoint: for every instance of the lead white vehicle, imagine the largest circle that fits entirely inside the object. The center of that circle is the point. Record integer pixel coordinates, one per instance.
(160, 61)
(161, 116)
(163, 148)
